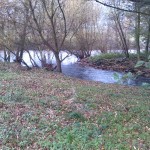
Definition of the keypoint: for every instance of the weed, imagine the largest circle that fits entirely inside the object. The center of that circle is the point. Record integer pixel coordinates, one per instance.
(76, 115)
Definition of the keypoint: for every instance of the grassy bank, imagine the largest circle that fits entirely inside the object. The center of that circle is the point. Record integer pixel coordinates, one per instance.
(109, 56)
(118, 62)
(46, 110)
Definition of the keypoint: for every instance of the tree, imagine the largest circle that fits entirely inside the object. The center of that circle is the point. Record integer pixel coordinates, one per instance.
(14, 24)
(138, 8)
(145, 2)
(85, 37)
(85, 28)
(145, 31)
(50, 22)
(120, 21)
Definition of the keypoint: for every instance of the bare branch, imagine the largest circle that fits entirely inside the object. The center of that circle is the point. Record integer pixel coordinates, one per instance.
(122, 9)
(65, 24)
(38, 26)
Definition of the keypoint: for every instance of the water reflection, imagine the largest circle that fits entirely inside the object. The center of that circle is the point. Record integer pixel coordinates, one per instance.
(49, 57)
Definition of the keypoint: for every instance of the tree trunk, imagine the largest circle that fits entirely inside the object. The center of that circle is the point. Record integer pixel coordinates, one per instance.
(58, 62)
(5, 55)
(122, 36)
(137, 32)
(17, 60)
(8, 56)
(147, 43)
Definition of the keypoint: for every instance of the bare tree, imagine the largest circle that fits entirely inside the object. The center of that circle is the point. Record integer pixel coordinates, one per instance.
(14, 29)
(120, 21)
(50, 22)
(86, 28)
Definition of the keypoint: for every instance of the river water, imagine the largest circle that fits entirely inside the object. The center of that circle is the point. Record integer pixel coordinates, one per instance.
(71, 68)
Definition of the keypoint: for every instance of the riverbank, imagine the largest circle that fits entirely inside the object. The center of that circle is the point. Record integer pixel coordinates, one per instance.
(47, 110)
(115, 62)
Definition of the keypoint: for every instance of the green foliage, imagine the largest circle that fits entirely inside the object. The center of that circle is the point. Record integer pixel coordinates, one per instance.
(146, 85)
(147, 65)
(84, 136)
(76, 115)
(143, 63)
(116, 76)
(17, 135)
(106, 56)
(139, 64)
(125, 78)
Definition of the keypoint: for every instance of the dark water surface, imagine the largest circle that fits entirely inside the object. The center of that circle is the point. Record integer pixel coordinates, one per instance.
(88, 73)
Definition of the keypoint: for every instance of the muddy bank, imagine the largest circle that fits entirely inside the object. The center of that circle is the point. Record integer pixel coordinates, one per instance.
(117, 64)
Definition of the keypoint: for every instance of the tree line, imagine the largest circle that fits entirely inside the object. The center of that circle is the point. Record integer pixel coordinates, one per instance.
(77, 26)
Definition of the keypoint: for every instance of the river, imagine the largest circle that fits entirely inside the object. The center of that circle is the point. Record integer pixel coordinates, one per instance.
(71, 68)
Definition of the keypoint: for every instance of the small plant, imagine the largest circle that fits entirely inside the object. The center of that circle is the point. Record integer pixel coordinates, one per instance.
(143, 63)
(76, 115)
(125, 78)
(146, 85)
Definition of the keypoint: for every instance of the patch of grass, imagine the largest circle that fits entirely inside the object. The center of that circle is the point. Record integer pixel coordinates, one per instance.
(106, 56)
(84, 136)
(15, 95)
(5, 75)
(44, 110)
(114, 56)
(76, 115)
(127, 127)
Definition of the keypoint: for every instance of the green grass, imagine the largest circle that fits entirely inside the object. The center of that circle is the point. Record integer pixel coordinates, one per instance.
(109, 56)
(76, 136)
(106, 56)
(46, 110)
